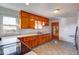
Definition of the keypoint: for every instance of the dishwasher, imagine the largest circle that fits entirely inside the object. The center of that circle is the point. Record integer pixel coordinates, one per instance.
(9, 46)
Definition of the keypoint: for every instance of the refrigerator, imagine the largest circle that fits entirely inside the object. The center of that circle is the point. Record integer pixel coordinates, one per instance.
(77, 39)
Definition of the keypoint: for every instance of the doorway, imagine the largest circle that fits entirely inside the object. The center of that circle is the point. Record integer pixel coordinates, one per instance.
(55, 30)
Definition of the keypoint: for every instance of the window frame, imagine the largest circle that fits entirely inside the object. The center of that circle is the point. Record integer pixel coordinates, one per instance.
(9, 24)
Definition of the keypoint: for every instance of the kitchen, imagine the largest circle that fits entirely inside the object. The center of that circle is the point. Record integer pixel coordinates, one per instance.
(22, 30)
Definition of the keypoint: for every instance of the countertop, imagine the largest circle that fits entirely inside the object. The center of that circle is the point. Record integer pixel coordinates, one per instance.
(22, 35)
(27, 35)
(32, 35)
(18, 35)
(14, 38)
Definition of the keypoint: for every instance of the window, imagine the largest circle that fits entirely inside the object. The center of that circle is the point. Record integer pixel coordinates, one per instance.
(9, 23)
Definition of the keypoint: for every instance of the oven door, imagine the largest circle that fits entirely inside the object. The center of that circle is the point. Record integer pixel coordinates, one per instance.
(10, 49)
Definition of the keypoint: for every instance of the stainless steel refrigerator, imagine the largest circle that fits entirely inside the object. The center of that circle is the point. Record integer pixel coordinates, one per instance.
(77, 39)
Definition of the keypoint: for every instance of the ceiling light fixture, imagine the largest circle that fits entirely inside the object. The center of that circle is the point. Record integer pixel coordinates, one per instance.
(27, 3)
(56, 11)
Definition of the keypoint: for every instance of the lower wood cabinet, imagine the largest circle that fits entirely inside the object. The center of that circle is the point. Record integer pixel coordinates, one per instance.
(33, 41)
(24, 49)
(27, 43)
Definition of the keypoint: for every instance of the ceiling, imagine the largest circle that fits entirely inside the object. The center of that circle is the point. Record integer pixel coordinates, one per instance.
(46, 9)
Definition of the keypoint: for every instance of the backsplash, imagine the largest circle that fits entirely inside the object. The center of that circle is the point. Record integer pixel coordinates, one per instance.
(45, 29)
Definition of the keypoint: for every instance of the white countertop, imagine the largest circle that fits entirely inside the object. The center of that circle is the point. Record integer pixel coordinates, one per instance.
(22, 35)
(18, 35)
(27, 35)
(8, 40)
(11, 39)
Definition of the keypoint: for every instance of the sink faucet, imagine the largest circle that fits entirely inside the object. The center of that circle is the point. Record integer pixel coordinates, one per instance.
(39, 32)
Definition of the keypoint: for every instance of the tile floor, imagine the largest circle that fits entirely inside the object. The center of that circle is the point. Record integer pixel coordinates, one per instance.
(31, 53)
(54, 48)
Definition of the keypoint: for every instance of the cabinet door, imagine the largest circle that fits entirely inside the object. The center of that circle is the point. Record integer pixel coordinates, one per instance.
(36, 41)
(24, 14)
(24, 22)
(21, 39)
(42, 21)
(32, 44)
(44, 38)
(46, 21)
(24, 49)
(39, 40)
(32, 22)
(47, 37)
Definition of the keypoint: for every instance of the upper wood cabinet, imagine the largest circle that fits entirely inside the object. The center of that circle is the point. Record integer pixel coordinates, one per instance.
(24, 23)
(24, 14)
(46, 21)
(32, 21)
(24, 20)
(27, 20)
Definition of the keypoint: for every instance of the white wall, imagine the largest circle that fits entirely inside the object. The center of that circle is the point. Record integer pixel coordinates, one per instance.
(6, 12)
(67, 27)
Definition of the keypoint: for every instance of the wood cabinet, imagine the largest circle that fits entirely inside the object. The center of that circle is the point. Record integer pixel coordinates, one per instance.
(33, 41)
(24, 49)
(27, 20)
(24, 23)
(32, 21)
(46, 21)
(24, 20)
(24, 14)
